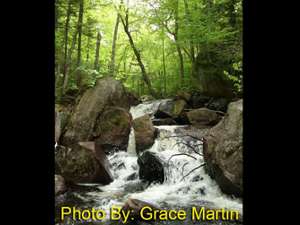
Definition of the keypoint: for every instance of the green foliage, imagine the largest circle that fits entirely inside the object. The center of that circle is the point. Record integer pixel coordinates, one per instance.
(213, 26)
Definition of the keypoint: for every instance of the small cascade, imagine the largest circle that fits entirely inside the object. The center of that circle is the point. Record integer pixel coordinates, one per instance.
(183, 186)
(131, 149)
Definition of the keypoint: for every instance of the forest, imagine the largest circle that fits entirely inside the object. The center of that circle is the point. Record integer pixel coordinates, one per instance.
(148, 107)
(154, 47)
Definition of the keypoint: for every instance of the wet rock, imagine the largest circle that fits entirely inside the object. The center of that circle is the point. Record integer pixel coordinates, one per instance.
(183, 95)
(164, 110)
(107, 92)
(199, 100)
(150, 168)
(112, 129)
(178, 108)
(60, 185)
(182, 119)
(203, 117)
(135, 206)
(218, 104)
(144, 133)
(170, 109)
(223, 151)
(82, 165)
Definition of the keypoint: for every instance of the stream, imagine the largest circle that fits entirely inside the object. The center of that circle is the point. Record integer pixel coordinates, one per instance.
(177, 190)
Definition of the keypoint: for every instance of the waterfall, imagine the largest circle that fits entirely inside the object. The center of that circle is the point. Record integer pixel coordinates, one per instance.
(178, 189)
(131, 149)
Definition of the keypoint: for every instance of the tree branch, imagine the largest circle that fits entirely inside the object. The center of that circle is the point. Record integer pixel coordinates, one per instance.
(198, 167)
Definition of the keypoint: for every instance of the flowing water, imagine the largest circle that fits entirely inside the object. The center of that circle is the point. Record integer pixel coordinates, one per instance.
(182, 187)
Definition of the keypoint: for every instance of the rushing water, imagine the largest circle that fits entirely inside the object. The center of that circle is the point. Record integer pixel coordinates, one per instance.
(178, 189)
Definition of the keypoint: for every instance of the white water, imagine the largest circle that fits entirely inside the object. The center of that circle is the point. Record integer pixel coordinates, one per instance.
(175, 191)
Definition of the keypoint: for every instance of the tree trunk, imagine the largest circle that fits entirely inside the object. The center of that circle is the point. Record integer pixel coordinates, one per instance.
(66, 43)
(232, 17)
(180, 56)
(69, 58)
(113, 50)
(96, 63)
(164, 65)
(188, 18)
(88, 50)
(80, 21)
(138, 56)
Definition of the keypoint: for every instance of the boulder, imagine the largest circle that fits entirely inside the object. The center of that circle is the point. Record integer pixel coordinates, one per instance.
(144, 133)
(199, 100)
(62, 117)
(203, 117)
(133, 99)
(171, 109)
(183, 95)
(60, 185)
(112, 129)
(218, 104)
(223, 151)
(150, 168)
(134, 206)
(107, 92)
(83, 164)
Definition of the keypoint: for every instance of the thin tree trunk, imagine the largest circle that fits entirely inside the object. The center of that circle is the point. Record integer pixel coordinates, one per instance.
(96, 63)
(164, 65)
(232, 17)
(69, 58)
(88, 49)
(113, 50)
(137, 55)
(181, 62)
(188, 18)
(80, 21)
(66, 43)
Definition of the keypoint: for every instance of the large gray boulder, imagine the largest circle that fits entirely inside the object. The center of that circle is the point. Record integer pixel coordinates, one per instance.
(106, 93)
(83, 164)
(203, 117)
(223, 151)
(170, 109)
(144, 133)
(112, 129)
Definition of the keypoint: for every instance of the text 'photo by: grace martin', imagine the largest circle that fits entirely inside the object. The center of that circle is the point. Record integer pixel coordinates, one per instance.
(148, 112)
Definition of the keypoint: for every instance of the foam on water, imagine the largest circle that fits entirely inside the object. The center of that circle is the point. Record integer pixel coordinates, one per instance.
(176, 190)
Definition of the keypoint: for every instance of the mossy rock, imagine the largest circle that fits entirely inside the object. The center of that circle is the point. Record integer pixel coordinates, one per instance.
(77, 165)
(113, 128)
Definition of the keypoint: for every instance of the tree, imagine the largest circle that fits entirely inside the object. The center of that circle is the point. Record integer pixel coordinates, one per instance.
(66, 43)
(113, 50)
(96, 63)
(80, 23)
(125, 22)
